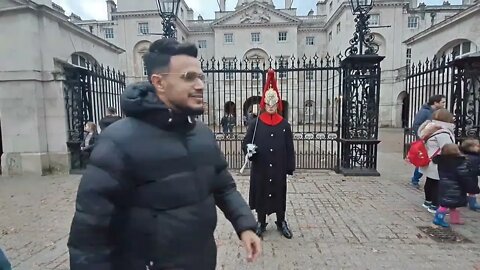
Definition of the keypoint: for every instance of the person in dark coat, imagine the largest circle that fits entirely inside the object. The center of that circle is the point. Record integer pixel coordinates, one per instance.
(4, 263)
(148, 198)
(273, 160)
(471, 149)
(90, 137)
(454, 178)
(110, 118)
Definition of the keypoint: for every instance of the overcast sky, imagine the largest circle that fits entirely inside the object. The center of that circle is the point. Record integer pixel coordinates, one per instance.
(96, 9)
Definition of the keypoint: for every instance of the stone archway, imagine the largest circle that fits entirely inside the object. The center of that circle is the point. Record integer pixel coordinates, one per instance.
(381, 43)
(230, 108)
(250, 108)
(139, 68)
(1, 146)
(457, 47)
(309, 112)
(82, 59)
(285, 110)
(401, 110)
(257, 56)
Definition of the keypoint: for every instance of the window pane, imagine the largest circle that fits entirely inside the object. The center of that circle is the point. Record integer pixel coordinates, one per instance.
(228, 38)
(202, 44)
(255, 37)
(374, 20)
(143, 28)
(456, 50)
(310, 41)
(75, 60)
(466, 47)
(109, 33)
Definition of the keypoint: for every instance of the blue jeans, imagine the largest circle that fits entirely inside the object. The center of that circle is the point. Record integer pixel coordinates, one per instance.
(4, 264)
(416, 176)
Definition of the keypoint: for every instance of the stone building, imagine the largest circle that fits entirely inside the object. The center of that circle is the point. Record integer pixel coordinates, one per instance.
(257, 29)
(32, 107)
(33, 51)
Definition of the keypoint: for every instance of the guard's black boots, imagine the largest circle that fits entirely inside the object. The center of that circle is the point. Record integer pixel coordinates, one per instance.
(261, 228)
(283, 228)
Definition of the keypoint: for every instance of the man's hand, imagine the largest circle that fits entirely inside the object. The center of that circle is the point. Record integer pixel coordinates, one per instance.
(252, 245)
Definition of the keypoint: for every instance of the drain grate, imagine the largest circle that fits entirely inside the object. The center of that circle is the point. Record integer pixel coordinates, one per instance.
(444, 235)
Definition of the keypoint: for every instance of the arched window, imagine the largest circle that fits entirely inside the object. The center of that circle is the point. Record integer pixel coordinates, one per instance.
(139, 50)
(83, 60)
(458, 48)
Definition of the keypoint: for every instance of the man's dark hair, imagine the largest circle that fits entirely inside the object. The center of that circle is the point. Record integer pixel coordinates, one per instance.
(435, 99)
(161, 51)
(111, 110)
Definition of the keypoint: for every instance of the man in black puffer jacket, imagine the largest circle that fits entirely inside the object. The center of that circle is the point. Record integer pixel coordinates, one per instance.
(147, 199)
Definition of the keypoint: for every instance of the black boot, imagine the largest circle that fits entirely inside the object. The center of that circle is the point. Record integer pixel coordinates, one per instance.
(283, 228)
(261, 228)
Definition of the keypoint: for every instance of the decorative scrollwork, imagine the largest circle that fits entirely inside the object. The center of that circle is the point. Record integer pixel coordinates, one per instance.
(309, 136)
(471, 120)
(362, 41)
(359, 155)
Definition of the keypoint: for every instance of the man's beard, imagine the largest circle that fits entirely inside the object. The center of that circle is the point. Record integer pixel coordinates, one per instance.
(190, 111)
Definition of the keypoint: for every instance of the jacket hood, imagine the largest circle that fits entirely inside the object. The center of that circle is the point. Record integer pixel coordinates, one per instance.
(426, 106)
(470, 153)
(448, 161)
(139, 99)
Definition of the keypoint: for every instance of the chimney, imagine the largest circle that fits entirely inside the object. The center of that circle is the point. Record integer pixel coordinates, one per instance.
(190, 14)
(58, 8)
(47, 3)
(322, 8)
(111, 8)
(288, 4)
(75, 18)
(221, 5)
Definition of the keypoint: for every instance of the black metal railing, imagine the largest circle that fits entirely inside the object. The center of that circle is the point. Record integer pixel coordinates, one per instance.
(310, 88)
(458, 80)
(88, 92)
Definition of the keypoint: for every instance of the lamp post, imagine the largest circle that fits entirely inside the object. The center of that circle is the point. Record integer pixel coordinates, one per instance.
(362, 41)
(360, 100)
(168, 11)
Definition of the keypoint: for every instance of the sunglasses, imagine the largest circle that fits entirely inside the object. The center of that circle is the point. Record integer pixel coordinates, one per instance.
(189, 76)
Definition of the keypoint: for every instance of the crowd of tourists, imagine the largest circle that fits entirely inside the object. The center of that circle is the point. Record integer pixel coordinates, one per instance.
(450, 165)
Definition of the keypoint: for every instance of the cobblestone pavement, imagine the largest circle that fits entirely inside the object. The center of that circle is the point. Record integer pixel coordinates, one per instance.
(338, 223)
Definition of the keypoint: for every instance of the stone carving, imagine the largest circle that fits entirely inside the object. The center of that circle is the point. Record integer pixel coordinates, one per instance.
(255, 17)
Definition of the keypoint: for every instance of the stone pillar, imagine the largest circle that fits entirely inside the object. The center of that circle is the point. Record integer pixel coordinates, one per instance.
(221, 4)
(288, 4)
(322, 8)
(32, 111)
(33, 123)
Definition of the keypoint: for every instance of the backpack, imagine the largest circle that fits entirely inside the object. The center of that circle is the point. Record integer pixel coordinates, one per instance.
(418, 155)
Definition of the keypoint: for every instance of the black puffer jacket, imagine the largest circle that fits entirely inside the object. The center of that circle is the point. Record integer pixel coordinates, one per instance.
(108, 120)
(473, 164)
(454, 178)
(148, 196)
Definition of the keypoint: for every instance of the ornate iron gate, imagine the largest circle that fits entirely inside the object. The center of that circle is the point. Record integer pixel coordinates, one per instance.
(458, 80)
(88, 92)
(310, 89)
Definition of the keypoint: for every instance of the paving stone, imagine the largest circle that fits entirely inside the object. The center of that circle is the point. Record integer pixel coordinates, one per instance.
(338, 223)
